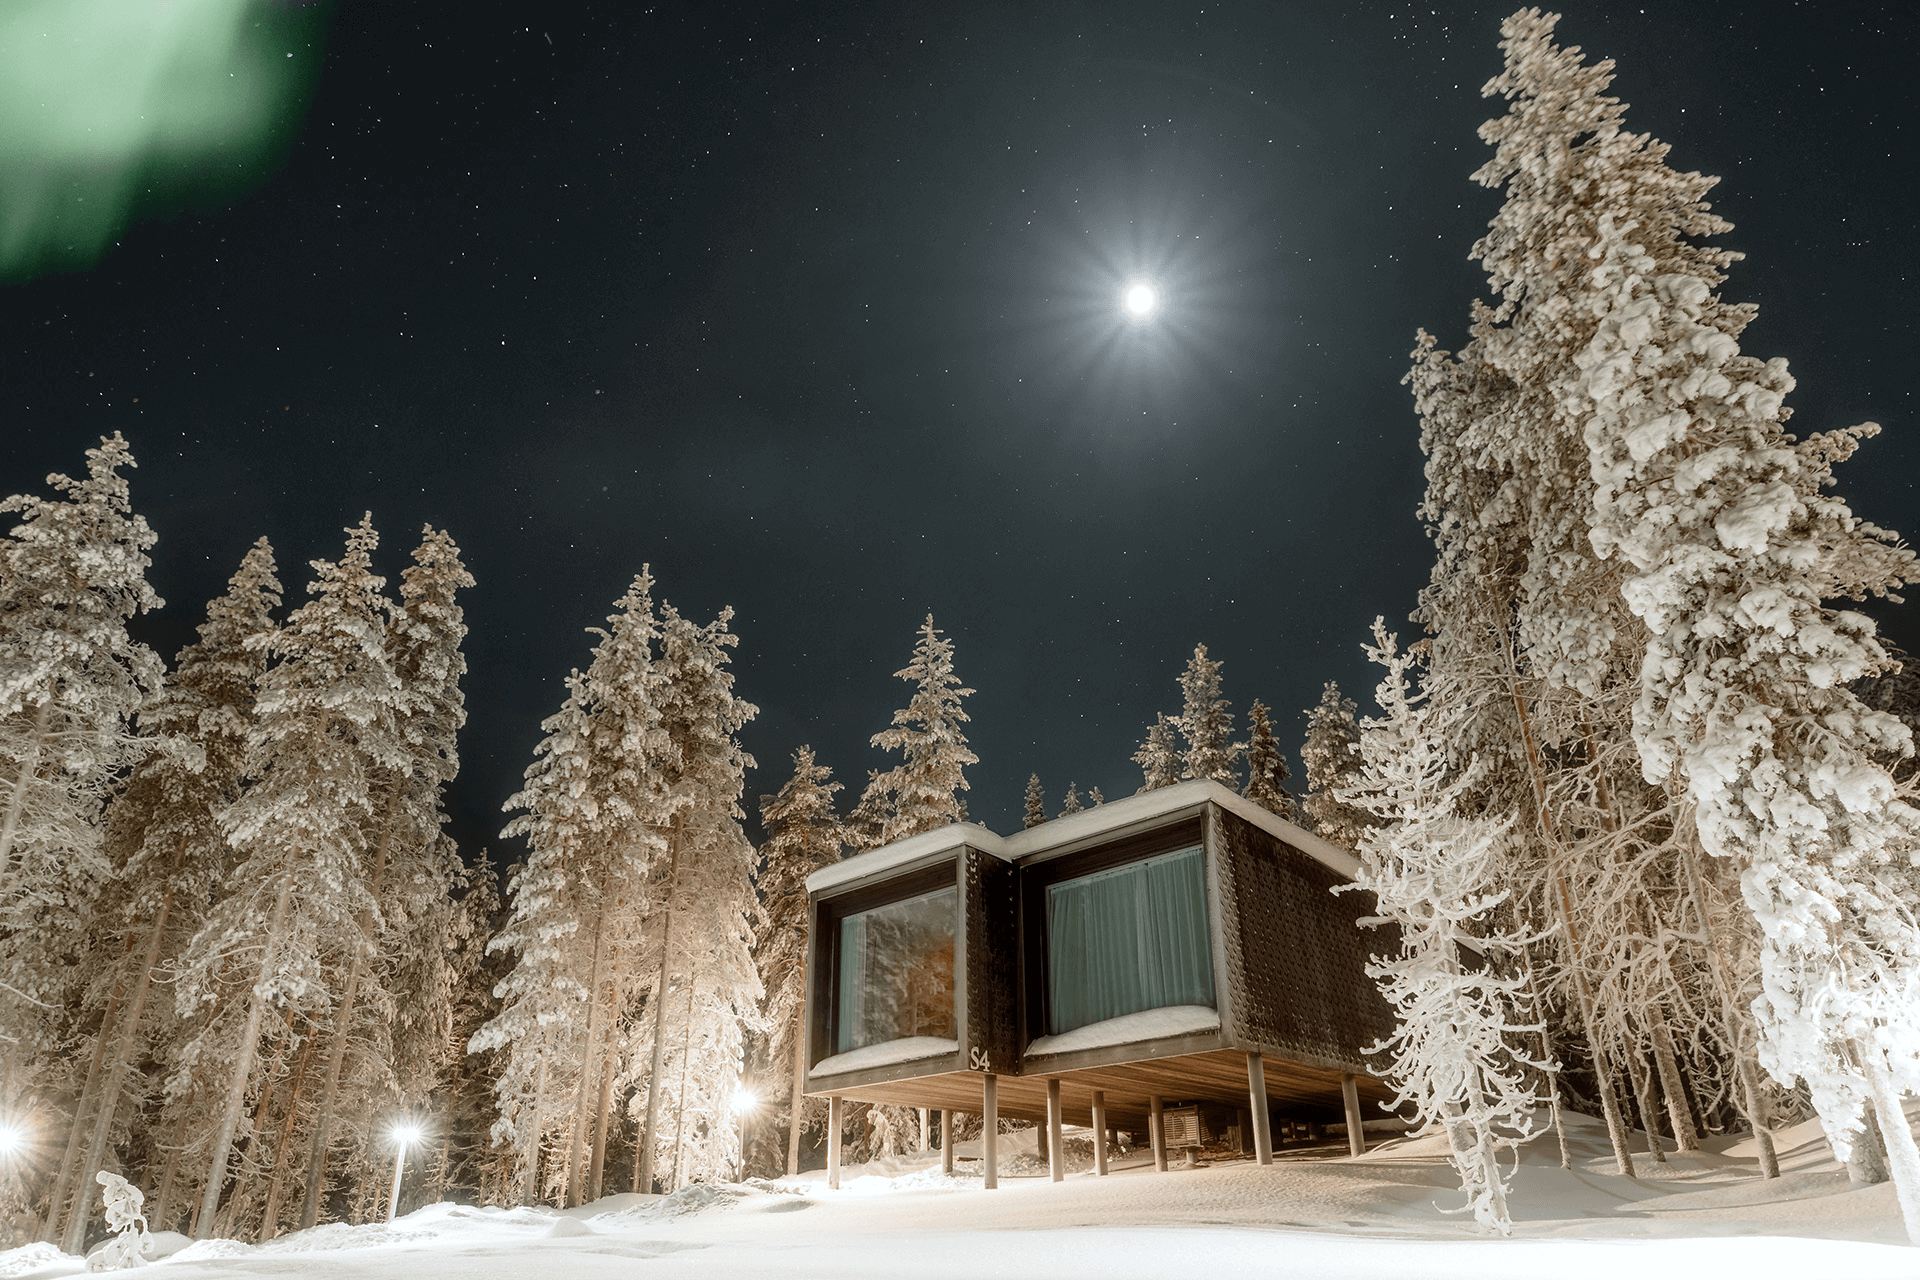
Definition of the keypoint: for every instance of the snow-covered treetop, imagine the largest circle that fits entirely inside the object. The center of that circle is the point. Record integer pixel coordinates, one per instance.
(923, 791)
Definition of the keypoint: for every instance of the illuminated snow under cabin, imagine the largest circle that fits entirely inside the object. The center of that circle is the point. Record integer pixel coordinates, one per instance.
(1172, 964)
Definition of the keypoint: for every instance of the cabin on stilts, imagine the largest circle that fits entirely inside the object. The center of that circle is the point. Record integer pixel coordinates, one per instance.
(1159, 964)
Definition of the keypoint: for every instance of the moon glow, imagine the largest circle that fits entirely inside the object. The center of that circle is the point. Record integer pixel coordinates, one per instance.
(1141, 299)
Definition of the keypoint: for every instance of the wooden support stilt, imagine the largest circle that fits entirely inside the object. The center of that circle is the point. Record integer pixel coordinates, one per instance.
(946, 1141)
(1157, 1131)
(1056, 1153)
(1257, 1105)
(990, 1130)
(834, 1117)
(1099, 1134)
(1350, 1095)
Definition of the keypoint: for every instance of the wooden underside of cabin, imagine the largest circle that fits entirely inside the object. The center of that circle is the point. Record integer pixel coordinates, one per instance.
(1218, 1075)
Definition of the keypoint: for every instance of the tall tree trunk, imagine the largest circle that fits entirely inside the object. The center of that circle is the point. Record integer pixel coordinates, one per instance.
(343, 1027)
(236, 1099)
(1753, 1099)
(609, 1062)
(163, 1211)
(799, 1084)
(270, 1218)
(71, 1162)
(531, 1175)
(1643, 1098)
(249, 1178)
(589, 1070)
(1679, 1114)
(648, 1146)
(1557, 893)
(1903, 1158)
(686, 1059)
(117, 1065)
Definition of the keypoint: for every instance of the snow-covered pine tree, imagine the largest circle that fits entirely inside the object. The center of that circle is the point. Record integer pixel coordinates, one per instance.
(1266, 766)
(1206, 723)
(1071, 803)
(706, 992)
(1533, 644)
(396, 978)
(922, 792)
(72, 573)
(598, 807)
(1094, 798)
(1036, 802)
(1331, 758)
(542, 930)
(1458, 985)
(1159, 755)
(324, 732)
(1731, 546)
(803, 835)
(168, 853)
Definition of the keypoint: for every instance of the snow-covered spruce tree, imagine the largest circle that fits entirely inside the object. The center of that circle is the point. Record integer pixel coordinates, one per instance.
(540, 991)
(396, 979)
(1071, 803)
(1159, 755)
(324, 733)
(598, 811)
(168, 854)
(1459, 996)
(922, 792)
(706, 992)
(1206, 723)
(72, 573)
(1094, 798)
(1331, 757)
(1266, 766)
(1036, 803)
(1731, 547)
(803, 835)
(1532, 635)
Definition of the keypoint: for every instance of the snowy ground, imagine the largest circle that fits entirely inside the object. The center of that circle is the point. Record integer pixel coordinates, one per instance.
(1309, 1214)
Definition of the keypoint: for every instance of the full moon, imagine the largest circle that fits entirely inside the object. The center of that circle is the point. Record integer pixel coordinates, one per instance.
(1141, 299)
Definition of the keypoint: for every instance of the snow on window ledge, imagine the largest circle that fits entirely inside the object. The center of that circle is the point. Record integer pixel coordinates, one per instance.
(886, 1053)
(1148, 1024)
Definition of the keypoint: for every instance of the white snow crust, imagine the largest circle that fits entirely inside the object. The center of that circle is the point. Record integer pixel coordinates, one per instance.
(886, 1053)
(1131, 1028)
(1313, 1212)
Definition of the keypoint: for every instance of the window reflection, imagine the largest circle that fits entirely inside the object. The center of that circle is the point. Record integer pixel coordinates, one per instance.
(896, 972)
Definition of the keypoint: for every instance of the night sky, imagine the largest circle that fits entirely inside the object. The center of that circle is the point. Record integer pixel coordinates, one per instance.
(815, 308)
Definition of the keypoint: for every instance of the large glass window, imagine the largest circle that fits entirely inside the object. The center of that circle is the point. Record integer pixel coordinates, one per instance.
(896, 972)
(1129, 938)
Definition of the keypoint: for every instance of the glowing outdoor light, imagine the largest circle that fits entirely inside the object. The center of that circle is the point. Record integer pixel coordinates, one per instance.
(13, 1138)
(744, 1102)
(1140, 299)
(405, 1134)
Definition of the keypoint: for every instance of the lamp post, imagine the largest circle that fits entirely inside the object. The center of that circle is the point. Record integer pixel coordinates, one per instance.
(745, 1101)
(404, 1136)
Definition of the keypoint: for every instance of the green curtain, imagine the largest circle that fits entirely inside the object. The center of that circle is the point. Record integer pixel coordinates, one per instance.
(896, 972)
(1130, 938)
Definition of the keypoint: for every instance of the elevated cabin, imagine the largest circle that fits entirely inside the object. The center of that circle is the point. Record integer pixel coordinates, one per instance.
(1177, 948)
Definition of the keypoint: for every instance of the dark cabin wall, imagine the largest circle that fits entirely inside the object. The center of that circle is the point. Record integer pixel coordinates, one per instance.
(992, 1026)
(1296, 953)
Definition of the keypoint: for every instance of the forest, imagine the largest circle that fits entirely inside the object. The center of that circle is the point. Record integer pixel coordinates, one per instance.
(1637, 794)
